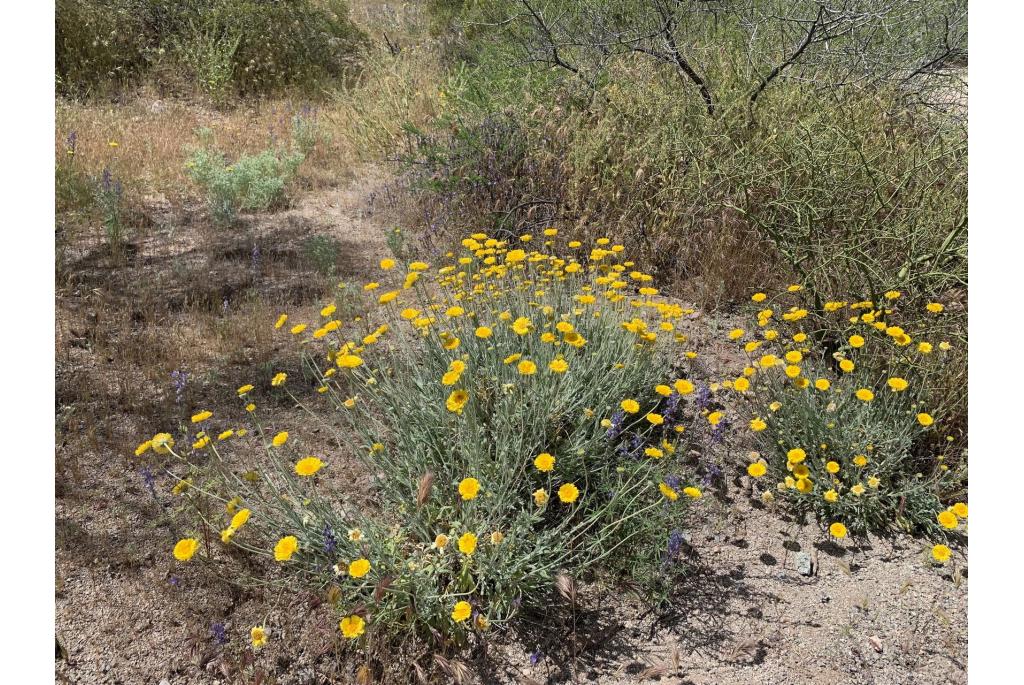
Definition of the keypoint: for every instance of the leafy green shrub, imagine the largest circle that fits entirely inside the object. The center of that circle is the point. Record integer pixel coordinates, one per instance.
(520, 424)
(253, 47)
(251, 182)
(322, 251)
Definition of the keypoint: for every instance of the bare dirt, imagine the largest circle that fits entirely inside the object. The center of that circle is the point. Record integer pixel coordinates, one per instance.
(875, 612)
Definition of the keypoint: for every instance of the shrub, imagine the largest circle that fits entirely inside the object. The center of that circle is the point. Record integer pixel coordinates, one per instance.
(253, 47)
(849, 429)
(251, 182)
(519, 420)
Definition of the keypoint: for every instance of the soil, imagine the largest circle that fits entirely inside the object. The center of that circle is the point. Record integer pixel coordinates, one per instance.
(875, 612)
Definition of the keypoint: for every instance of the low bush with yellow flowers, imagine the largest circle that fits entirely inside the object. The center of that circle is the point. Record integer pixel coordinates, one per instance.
(846, 412)
(518, 412)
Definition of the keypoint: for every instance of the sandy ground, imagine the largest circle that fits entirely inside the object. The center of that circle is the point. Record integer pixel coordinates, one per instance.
(875, 613)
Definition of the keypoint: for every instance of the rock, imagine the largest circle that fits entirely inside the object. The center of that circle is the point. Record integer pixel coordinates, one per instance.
(803, 564)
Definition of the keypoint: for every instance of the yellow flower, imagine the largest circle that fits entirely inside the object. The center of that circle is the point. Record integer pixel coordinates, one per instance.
(897, 384)
(185, 548)
(328, 310)
(281, 321)
(736, 334)
(715, 417)
(467, 544)
(831, 496)
(837, 530)
(348, 361)
(846, 365)
(285, 548)
(456, 401)
(857, 489)
(947, 519)
(630, 406)
(280, 439)
(934, 307)
(359, 568)
(792, 371)
(298, 328)
(387, 264)
(860, 460)
(202, 442)
(558, 366)
(832, 467)
(683, 387)
(513, 256)
(258, 635)
(822, 384)
(440, 542)
(693, 492)
(865, 395)
(352, 626)
(941, 553)
(793, 357)
(526, 367)
(483, 332)
(469, 488)
(925, 419)
(663, 390)
(201, 416)
(521, 325)
(568, 493)
(655, 419)
(143, 448)
(540, 497)
(279, 379)
(308, 466)
(757, 469)
(796, 455)
(544, 462)
(856, 341)
(758, 297)
(463, 609)
(239, 519)
(654, 452)
(959, 509)
(249, 408)
(667, 490)
(388, 297)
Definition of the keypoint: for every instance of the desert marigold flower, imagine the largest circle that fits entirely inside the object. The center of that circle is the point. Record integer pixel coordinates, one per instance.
(540, 497)
(245, 390)
(348, 361)
(837, 530)
(286, 547)
(469, 488)
(925, 419)
(558, 366)
(655, 419)
(181, 486)
(860, 460)
(568, 493)
(279, 379)
(759, 297)
(767, 361)
(544, 462)
(462, 611)
(240, 518)
(858, 489)
(298, 328)
(328, 310)
(654, 452)
(822, 384)
(280, 439)
(934, 307)
(630, 406)
(668, 491)
(715, 417)
(258, 636)
(693, 492)
(947, 519)
(757, 469)
(308, 466)
(483, 332)
(202, 442)
(663, 390)
(186, 548)
(941, 553)
(143, 448)
(897, 384)
(741, 384)
(497, 537)
(387, 264)
(201, 416)
(281, 321)
(793, 357)
(736, 334)
(832, 467)
(387, 297)
(456, 401)
(757, 424)
(856, 341)
(467, 544)
(864, 395)
(792, 371)
(440, 542)
(249, 408)
(831, 496)
(959, 509)
(796, 455)
(513, 256)
(359, 568)
(352, 626)
(526, 367)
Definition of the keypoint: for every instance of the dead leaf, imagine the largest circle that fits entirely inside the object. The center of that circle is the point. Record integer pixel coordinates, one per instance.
(875, 642)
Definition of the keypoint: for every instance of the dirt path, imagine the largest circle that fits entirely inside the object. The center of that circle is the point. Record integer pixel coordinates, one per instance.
(874, 614)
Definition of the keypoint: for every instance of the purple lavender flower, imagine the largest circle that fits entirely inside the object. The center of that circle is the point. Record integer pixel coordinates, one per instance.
(330, 542)
(675, 543)
(180, 379)
(616, 427)
(220, 635)
(535, 656)
(711, 473)
(148, 479)
(174, 580)
(703, 398)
